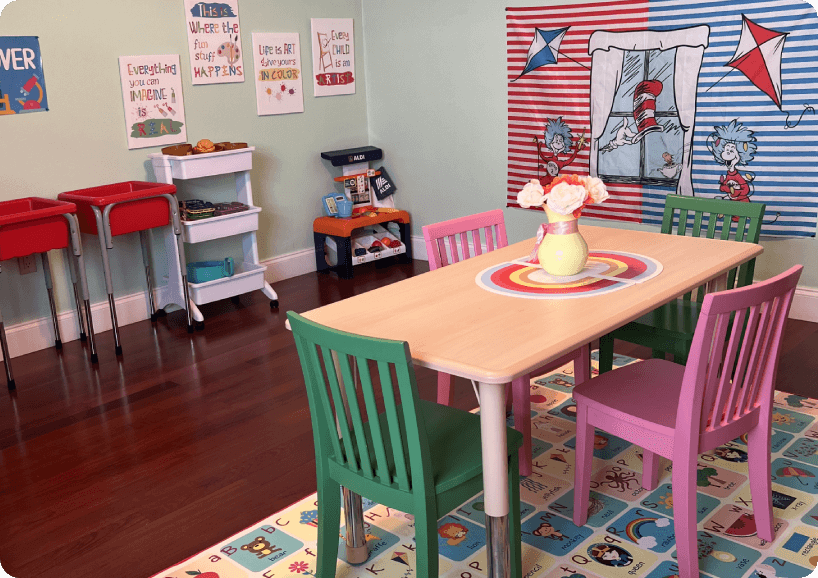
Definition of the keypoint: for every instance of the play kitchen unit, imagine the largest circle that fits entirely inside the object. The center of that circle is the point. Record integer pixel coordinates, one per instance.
(34, 225)
(213, 280)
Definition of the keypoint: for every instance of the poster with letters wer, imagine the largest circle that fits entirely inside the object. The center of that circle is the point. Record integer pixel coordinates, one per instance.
(277, 64)
(152, 97)
(333, 56)
(214, 40)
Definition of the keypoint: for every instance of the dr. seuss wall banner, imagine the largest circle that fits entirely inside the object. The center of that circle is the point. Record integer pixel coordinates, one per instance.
(22, 84)
(152, 95)
(705, 98)
(214, 39)
(277, 64)
(333, 56)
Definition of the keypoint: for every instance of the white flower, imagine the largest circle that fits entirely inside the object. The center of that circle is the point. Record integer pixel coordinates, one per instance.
(531, 195)
(596, 189)
(565, 198)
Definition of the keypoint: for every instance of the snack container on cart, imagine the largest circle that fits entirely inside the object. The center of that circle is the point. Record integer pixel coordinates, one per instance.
(116, 209)
(36, 225)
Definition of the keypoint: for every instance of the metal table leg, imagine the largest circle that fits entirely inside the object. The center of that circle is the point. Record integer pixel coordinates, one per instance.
(79, 266)
(7, 358)
(495, 477)
(104, 245)
(143, 240)
(49, 286)
(357, 552)
(180, 247)
(73, 272)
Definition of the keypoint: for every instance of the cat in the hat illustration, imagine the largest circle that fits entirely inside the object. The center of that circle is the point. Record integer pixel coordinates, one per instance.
(558, 141)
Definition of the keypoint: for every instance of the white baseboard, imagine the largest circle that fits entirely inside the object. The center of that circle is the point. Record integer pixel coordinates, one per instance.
(38, 334)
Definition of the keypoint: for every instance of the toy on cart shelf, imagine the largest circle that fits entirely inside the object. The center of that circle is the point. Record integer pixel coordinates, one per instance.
(204, 146)
(204, 271)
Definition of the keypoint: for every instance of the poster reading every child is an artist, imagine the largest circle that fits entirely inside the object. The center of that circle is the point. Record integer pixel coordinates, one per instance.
(333, 56)
(152, 97)
(214, 40)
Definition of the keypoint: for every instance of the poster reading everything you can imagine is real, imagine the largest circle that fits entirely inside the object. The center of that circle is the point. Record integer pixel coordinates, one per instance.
(152, 96)
(333, 56)
(277, 64)
(214, 39)
(22, 84)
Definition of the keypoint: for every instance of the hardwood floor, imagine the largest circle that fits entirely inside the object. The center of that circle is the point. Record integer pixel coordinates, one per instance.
(127, 469)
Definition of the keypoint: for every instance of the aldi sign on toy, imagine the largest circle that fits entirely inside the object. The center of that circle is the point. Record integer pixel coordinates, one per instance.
(333, 56)
(22, 84)
(152, 97)
(277, 64)
(214, 40)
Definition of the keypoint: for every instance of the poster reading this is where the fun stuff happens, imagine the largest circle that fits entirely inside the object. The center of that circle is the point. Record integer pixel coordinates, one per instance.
(333, 56)
(277, 64)
(152, 96)
(214, 39)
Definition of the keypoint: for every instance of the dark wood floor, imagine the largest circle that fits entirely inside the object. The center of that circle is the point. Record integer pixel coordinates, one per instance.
(127, 469)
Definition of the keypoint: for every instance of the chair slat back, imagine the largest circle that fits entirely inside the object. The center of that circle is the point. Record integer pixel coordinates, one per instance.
(343, 397)
(729, 377)
(448, 242)
(713, 219)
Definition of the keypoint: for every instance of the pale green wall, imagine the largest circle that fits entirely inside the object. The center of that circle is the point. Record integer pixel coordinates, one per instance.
(81, 141)
(436, 95)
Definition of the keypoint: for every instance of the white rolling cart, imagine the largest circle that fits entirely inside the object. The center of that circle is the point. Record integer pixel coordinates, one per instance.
(249, 274)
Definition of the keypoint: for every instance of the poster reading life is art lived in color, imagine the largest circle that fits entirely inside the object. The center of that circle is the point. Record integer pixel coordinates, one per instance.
(214, 39)
(277, 64)
(152, 96)
(333, 56)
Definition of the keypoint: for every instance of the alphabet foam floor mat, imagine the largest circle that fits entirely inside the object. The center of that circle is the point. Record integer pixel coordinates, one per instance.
(632, 522)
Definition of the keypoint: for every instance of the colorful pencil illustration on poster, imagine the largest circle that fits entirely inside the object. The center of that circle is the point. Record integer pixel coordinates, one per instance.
(333, 56)
(152, 97)
(277, 65)
(22, 83)
(664, 98)
(214, 40)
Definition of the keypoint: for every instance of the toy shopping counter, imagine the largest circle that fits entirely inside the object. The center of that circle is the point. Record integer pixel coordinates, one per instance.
(341, 244)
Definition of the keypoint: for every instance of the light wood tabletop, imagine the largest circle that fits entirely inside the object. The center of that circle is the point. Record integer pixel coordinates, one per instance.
(453, 325)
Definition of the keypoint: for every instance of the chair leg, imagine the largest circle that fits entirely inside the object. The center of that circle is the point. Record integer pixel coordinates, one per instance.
(444, 388)
(521, 393)
(650, 470)
(582, 365)
(606, 347)
(329, 526)
(426, 560)
(509, 399)
(758, 458)
(584, 458)
(684, 512)
(514, 529)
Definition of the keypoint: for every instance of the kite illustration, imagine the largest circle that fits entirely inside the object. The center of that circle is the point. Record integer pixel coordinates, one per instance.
(544, 49)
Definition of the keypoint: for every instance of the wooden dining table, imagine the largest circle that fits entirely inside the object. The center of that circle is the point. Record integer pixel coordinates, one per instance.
(456, 326)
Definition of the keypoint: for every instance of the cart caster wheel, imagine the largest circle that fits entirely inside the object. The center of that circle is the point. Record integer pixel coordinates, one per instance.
(58, 345)
(12, 385)
(161, 313)
(274, 304)
(154, 317)
(235, 299)
(200, 326)
(83, 336)
(94, 358)
(118, 350)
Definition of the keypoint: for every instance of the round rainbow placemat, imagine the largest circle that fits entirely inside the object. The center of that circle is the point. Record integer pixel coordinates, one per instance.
(604, 272)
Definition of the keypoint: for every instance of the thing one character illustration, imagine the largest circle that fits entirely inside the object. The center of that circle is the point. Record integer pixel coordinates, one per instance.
(733, 145)
(453, 533)
(558, 141)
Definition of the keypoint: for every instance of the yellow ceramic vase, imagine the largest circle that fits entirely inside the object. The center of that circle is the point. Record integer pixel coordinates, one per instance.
(562, 254)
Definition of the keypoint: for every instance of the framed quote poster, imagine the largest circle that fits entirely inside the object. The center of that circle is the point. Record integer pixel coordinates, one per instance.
(152, 97)
(214, 40)
(333, 56)
(277, 65)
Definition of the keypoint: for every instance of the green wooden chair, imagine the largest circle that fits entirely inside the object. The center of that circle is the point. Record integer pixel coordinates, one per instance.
(416, 456)
(669, 329)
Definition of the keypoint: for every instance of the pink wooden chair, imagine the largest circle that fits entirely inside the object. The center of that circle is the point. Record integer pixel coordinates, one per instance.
(725, 390)
(493, 228)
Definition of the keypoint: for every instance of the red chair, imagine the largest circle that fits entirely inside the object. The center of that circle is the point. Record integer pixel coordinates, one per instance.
(678, 412)
(492, 224)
